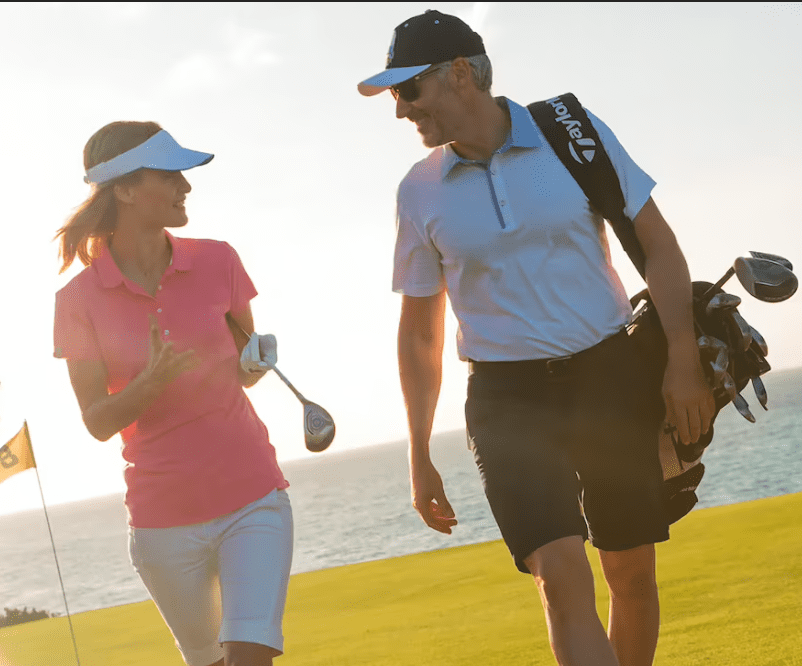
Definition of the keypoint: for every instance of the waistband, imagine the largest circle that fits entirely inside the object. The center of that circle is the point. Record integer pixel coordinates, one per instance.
(558, 366)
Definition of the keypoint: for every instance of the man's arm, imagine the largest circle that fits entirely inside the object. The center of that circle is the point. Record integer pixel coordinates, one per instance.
(420, 360)
(689, 400)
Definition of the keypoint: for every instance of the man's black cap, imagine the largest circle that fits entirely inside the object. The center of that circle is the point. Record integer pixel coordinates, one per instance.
(420, 42)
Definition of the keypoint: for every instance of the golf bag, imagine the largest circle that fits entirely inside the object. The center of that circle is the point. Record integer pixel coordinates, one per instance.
(728, 365)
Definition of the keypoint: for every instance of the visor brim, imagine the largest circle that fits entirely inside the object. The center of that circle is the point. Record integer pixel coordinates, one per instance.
(160, 152)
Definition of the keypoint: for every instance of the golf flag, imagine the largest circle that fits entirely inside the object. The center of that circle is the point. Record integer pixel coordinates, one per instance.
(17, 454)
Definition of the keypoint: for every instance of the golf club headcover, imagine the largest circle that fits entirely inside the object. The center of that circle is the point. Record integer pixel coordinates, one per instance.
(260, 354)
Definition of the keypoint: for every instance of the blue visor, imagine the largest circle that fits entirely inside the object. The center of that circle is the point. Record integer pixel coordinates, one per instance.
(160, 152)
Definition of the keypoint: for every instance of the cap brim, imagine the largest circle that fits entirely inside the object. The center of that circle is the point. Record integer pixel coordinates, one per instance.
(389, 77)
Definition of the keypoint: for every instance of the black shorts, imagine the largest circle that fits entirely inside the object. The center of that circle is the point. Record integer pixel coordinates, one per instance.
(570, 447)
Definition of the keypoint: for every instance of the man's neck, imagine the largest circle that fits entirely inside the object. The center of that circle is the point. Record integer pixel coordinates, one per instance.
(487, 128)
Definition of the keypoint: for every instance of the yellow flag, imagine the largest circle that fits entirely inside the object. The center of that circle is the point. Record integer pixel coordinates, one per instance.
(17, 454)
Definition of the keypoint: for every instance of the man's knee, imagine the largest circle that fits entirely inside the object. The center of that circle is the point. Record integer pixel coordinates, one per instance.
(562, 573)
(630, 573)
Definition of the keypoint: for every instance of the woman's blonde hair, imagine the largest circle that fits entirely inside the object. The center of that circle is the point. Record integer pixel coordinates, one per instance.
(93, 222)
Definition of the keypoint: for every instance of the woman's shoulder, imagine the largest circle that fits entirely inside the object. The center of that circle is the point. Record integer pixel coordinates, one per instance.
(204, 253)
(79, 284)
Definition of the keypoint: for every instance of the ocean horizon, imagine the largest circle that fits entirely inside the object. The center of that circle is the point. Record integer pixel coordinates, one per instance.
(354, 506)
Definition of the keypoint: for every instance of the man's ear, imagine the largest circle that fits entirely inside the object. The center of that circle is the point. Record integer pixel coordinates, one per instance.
(462, 71)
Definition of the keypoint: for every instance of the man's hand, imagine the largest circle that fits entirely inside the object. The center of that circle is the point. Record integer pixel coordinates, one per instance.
(429, 498)
(690, 405)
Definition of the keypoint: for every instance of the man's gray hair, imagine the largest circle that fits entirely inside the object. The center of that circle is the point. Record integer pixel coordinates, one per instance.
(482, 71)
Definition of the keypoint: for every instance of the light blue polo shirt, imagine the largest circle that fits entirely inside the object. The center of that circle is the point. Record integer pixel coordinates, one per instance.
(524, 259)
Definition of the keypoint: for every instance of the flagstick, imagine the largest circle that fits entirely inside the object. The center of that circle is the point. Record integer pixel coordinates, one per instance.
(52, 541)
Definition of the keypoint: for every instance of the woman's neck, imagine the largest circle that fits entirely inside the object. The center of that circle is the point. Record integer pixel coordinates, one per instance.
(141, 255)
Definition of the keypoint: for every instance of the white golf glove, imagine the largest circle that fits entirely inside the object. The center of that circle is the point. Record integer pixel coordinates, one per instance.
(260, 354)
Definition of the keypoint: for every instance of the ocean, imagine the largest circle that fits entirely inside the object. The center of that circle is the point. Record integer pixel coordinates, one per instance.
(354, 506)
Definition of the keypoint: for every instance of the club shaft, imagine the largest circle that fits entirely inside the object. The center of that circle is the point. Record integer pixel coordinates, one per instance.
(289, 383)
(275, 369)
(730, 272)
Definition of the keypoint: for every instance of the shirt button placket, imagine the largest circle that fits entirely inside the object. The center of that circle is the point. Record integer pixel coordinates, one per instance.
(501, 193)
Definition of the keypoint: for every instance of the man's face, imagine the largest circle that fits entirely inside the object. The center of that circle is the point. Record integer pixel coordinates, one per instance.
(431, 111)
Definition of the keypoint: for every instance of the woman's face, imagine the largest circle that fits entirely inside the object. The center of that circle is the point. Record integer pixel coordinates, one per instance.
(157, 200)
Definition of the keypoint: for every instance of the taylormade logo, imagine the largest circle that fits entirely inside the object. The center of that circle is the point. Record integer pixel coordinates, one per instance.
(583, 148)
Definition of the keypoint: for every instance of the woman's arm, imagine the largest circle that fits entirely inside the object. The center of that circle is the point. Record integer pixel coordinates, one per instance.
(241, 327)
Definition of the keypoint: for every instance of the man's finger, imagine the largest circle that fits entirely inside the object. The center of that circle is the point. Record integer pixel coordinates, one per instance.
(694, 424)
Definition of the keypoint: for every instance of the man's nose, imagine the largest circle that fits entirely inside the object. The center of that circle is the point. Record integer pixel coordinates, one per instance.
(402, 108)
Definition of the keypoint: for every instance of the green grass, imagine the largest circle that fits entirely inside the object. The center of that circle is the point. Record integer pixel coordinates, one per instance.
(730, 582)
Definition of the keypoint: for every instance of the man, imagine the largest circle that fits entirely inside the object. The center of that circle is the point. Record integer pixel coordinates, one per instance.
(557, 408)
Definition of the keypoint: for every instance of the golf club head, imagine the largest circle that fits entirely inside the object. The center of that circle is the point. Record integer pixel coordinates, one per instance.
(722, 301)
(318, 427)
(760, 341)
(773, 257)
(764, 279)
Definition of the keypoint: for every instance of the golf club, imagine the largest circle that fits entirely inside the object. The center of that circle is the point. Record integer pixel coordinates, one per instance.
(766, 280)
(737, 399)
(722, 301)
(760, 341)
(739, 331)
(760, 392)
(773, 257)
(318, 424)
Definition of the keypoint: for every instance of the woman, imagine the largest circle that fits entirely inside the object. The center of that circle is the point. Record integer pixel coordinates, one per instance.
(152, 331)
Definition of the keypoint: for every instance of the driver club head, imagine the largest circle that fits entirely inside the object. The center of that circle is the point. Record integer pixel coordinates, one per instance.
(776, 258)
(764, 279)
(318, 427)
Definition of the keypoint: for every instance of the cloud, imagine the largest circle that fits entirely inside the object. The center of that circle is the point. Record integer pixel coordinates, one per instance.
(243, 49)
(198, 71)
(248, 47)
(476, 16)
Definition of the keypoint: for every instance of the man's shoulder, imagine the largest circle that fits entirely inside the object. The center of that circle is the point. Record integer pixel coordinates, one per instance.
(427, 170)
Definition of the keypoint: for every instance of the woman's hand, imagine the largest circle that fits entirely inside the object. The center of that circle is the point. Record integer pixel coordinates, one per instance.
(164, 363)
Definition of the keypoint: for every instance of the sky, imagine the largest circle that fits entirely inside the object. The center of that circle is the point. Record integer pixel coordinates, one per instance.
(706, 97)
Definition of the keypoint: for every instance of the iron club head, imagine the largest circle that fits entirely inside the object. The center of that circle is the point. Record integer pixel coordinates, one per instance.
(722, 301)
(764, 279)
(318, 427)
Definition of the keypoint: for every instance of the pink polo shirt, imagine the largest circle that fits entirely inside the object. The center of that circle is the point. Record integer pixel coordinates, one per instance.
(199, 451)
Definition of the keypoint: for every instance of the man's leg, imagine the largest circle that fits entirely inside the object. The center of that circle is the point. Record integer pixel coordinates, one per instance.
(565, 582)
(634, 605)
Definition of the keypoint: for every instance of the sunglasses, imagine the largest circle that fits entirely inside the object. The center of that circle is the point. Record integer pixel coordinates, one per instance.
(409, 90)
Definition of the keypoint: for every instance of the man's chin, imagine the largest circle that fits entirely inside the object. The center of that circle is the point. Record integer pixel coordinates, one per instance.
(431, 141)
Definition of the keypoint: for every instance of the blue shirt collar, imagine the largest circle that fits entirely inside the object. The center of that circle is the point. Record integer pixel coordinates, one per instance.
(523, 134)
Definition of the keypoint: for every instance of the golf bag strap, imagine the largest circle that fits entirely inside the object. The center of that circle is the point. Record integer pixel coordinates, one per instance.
(573, 138)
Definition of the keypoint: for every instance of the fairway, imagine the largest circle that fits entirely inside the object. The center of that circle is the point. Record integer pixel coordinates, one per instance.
(729, 581)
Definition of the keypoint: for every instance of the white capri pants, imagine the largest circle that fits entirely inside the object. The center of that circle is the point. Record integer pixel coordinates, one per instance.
(223, 580)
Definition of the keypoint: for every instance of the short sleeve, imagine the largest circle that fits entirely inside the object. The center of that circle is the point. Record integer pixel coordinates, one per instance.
(417, 267)
(73, 333)
(242, 288)
(636, 184)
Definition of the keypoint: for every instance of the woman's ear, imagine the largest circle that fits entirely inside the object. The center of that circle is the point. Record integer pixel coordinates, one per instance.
(123, 193)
